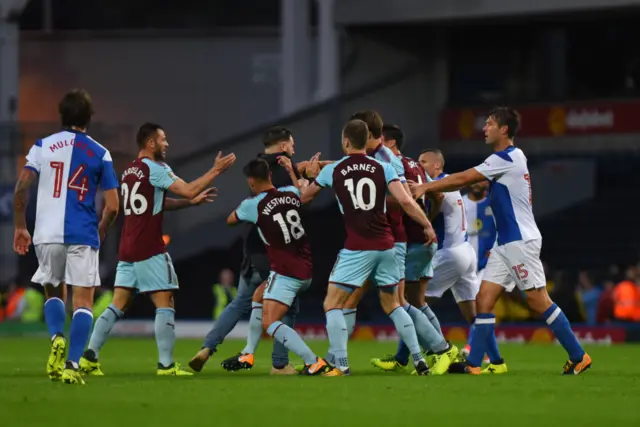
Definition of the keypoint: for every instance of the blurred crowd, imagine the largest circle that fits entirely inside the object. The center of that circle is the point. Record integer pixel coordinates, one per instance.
(585, 298)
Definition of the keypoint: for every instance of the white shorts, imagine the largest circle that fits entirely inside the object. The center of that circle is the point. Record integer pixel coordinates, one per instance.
(75, 265)
(455, 269)
(516, 264)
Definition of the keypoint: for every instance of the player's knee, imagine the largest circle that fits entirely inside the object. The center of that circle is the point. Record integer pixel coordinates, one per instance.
(258, 295)
(82, 298)
(538, 300)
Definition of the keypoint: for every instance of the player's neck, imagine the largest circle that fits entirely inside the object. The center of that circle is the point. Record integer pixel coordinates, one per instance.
(438, 173)
(145, 153)
(503, 145)
(78, 129)
(273, 150)
(352, 152)
(395, 151)
(373, 145)
(261, 188)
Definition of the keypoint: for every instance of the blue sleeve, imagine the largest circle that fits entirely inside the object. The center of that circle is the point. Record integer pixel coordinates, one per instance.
(290, 188)
(108, 180)
(325, 178)
(161, 175)
(248, 210)
(398, 167)
(390, 173)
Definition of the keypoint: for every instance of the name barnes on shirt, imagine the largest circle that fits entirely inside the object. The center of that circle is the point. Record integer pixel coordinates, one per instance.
(254, 252)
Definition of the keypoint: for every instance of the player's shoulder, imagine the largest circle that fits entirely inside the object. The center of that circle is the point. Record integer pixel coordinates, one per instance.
(511, 154)
(153, 163)
(289, 189)
(94, 146)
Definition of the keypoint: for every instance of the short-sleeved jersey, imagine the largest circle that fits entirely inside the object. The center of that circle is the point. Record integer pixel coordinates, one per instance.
(414, 172)
(71, 166)
(144, 186)
(278, 215)
(394, 213)
(360, 185)
(481, 227)
(511, 195)
(254, 251)
(450, 224)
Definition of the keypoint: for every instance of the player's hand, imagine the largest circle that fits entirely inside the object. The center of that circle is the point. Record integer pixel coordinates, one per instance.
(285, 162)
(21, 241)
(430, 235)
(313, 167)
(302, 185)
(206, 196)
(418, 190)
(221, 164)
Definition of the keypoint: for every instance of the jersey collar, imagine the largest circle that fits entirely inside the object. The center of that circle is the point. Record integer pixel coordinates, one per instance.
(375, 150)
(508, 149)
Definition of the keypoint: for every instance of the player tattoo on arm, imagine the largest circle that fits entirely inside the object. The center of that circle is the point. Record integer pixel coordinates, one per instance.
(310, 193)
(20, 193)
(109, 213)
(21, 236)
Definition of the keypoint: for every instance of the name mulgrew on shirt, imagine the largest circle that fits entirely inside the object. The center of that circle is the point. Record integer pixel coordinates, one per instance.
(84, 146)
(282, 200)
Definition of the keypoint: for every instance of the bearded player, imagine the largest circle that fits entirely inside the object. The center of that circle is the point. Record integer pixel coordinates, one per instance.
(144, 265)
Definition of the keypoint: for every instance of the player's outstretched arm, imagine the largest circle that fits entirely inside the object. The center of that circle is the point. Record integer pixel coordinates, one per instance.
(450, 183)
(412, 208)
(110, 211)
(190, 190)
(22, 238)
(207, 196)
(232, 219)
(310, 193)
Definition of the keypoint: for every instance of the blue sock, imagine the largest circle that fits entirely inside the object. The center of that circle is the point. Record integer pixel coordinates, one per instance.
(350, 320)
(255, 329)
(428, 336)
(561, 328)
(165, 335)
(432, 318)
(407, 331)
(102, 328)
(338, 337)
(402, 355)
(81, 324)
(54, 316)
(472, 329)
(483, 340)
(290, 339)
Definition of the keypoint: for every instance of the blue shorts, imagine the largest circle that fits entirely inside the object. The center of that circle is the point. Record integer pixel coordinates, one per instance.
(353, 268)
(401, 255)
(151, 275)
(419, 263)
(283, 288)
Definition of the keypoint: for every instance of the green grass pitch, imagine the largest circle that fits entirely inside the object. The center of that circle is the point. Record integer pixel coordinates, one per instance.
(531, 394)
